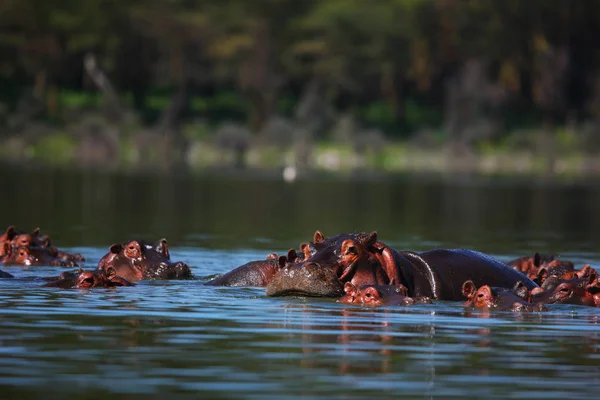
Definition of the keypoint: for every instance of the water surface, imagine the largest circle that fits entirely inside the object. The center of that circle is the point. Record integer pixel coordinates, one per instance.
(180, 339)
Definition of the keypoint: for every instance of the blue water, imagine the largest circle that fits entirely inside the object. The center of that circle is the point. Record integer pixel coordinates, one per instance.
(180, 339)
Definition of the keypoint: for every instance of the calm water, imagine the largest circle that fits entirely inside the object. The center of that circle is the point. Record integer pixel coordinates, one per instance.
(183, 340)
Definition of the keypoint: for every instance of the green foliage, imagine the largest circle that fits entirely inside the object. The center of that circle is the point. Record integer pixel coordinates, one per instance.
(55, 149)
(389, 60)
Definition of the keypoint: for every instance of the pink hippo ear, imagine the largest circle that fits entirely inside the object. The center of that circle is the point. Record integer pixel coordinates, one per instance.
(116, 248)
(468, 289)
(350, 289)
(318, 237)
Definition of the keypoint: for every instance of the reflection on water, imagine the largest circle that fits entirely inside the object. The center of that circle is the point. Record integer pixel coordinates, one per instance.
(184, 340)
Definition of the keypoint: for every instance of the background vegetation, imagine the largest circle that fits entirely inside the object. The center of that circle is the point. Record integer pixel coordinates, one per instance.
(488, 85)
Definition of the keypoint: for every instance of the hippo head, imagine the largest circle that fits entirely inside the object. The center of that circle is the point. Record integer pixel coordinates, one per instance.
(34, 238)
(484, 297)
(137, 260)
(18, 255)
(325, 265)
(88, 279)
(373, 296)
(23, 255)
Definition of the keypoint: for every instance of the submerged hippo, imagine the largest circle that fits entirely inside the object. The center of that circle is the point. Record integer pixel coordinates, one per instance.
(498, 298)
(35, 240)
(362, 260)
(258, 273)
(137, 260)
(87, 279)
(373, 296)
(582, 289)
(32, 256)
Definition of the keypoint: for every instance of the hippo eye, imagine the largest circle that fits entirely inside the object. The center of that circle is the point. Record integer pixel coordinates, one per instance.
(351, 249)
(368, 295)
(564, 290)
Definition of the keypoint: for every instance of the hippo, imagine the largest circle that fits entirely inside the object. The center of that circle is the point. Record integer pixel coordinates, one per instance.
(136, 260)
(258, 273)
(498, 298)
(18, 238)
(378, 295)
(533, 266)
(578, 290)
(88, 279)
(361, 259)
(32, 256)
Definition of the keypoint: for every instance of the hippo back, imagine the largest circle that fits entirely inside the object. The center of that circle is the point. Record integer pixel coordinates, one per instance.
(447, 269)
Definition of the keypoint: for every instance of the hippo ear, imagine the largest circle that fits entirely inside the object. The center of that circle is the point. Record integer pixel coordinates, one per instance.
(593, 275)
(401, 290)
(468, 288)
(521, 290)
(35, 232)
(542, 275)
(282, 261)
(10, 232)
(372, 239)
(272, 256)
(537, 259)
(165, 247)
(7, 248)
(292, 255)
(350, 289)
(116, 248)
(110, 272)
(318, 237)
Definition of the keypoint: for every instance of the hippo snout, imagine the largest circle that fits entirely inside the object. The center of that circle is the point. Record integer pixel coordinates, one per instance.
(308, 279)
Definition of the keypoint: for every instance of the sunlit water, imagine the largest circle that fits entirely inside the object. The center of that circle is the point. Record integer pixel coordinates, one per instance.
(180, 339)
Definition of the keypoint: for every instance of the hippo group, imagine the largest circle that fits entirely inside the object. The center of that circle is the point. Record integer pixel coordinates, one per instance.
(124, 264)
(354, 268)
(357, 268)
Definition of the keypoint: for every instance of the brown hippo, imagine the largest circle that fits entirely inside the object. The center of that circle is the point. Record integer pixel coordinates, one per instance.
(257, 273)
(88, 279)
(32, 256)
(498, 298)
(137, 260)
(533, 266)
(362, 260)
(373, 296)
(581, 291)
(18, 238)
